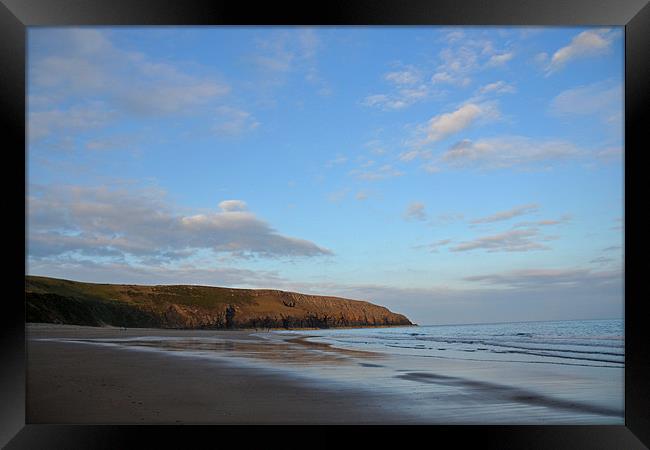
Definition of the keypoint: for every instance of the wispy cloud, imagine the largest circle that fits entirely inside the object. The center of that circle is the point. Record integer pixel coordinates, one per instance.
(406, 86)
(285, 53)
(380, 173)
(466, 56)
(232, 121)
(509, 214)
(604, 99)
(407, 76)
(500, 59)
(415, 211)
(78, 118)
(362, 195)
(544, 223)
(340, 159)
(498, 87)
(402, 98)
(509, 152)
(519, 240)
(547, 278)
(586, 43)
(101, 83)
(602, 260)
(338, 196)
(433, 247)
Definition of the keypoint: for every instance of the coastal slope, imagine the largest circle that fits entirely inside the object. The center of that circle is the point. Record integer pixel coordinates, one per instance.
(52, 300)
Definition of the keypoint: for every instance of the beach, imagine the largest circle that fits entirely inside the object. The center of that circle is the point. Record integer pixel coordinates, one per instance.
(79, 383)
(107, 375)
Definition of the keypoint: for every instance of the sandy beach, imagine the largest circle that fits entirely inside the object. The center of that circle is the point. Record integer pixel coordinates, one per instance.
(107, 375)
(80, 383)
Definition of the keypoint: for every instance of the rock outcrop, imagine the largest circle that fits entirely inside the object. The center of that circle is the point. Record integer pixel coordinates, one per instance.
(52, 300)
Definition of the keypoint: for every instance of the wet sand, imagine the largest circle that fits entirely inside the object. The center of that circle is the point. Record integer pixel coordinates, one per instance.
(115, 376)
(76, 383)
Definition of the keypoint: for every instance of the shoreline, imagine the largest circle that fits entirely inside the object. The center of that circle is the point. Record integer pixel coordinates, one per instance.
(157, 390)
(75, 383)
(108, 375)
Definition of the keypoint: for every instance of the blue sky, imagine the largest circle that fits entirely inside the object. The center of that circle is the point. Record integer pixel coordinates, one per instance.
(454, 174)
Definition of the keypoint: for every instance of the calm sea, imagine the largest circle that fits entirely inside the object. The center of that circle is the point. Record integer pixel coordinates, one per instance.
(574, 342)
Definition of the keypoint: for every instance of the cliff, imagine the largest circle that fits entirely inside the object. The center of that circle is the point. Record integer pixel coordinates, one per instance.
(51, 300)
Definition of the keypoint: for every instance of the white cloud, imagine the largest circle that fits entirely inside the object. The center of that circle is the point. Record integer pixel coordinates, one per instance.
(407, 87)
(380, 173)
(509, 214)
(67, 220)
(340, 159)
(444, 125)
(520, 240)
(308, 42)
(610, 154)
(602, 98)
(384, 101)
(233, 121)
(603, 260)
(286, 52)
(541, 59)
(233, 205)
(111, 142)
(404, 77)
(466, 56)
(361, 195)
(500, 59)
(42, 124)
(548, 278)
(544, 223)
(275, 54)
(170, 96)
(410, 155)
(459, 61)
(498, 87)
(434, 246)
(446, 77)
(506, 152)
(586, 43)
(83, 67)
(338, 196)
(403, 97)
(431, 168)
(415, 211)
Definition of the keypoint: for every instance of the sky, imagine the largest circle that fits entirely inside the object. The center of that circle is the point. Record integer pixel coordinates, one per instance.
(452, 174)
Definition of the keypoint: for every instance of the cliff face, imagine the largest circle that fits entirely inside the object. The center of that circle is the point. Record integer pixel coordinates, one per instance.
(51, 300)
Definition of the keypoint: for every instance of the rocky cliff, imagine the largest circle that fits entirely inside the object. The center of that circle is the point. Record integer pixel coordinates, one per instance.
(52, 300)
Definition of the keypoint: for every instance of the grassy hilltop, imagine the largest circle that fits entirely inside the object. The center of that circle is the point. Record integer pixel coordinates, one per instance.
(52, 300)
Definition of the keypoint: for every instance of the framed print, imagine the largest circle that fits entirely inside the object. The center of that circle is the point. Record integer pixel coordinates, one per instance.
(375, 218)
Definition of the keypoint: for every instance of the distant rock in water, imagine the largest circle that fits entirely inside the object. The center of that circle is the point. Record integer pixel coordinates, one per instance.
(51, 300)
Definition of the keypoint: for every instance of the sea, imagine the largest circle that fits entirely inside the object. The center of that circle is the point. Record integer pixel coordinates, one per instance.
(552, 372)
(590, 343)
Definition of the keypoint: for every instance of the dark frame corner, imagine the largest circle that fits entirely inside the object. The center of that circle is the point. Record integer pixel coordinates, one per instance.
(17, 15)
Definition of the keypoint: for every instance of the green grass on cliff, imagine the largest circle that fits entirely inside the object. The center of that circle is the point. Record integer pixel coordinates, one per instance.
(201, 296)
(54, 300)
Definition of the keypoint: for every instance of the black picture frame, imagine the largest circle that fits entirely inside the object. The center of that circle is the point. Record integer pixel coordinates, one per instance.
(16, 15)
